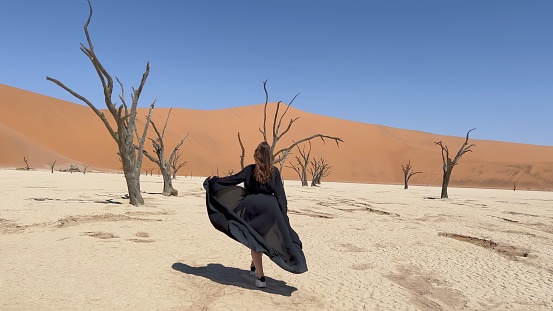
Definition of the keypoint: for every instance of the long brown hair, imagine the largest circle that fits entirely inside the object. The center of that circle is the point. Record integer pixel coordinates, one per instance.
(263, 163)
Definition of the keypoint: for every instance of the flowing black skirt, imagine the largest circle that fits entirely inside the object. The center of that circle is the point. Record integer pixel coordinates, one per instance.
(256, 221)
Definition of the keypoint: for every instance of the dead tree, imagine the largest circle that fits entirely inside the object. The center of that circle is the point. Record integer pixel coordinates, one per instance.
(85, 168)
(514, 186)
(407, 173)
(448, 164)
(159, 159)
(243, 154)
(176, 165)
(26, 163)
(281, 154)
(73, 168)
(51, 165)
(151, 170)
(319, 169)
(125, 118)
(301, 164)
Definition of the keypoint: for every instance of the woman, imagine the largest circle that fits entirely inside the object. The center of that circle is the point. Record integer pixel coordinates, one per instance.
(256, 215)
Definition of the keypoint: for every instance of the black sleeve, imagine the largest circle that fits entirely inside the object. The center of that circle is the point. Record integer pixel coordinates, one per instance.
(279, 192)
(216, 183)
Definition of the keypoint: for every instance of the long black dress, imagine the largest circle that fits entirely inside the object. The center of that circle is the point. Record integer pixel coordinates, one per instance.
(255, 216)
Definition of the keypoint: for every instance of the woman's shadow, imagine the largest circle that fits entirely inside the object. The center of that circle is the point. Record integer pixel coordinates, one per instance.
(235, 277)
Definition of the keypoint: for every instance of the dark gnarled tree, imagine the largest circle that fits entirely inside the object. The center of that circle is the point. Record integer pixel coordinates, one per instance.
(51, 165)
(448, 163)
(302, 161)
(177, 164)
(125, 118)
(243, 154)
(319, 169)
(407, 173)
(281, 154)
(159, 159)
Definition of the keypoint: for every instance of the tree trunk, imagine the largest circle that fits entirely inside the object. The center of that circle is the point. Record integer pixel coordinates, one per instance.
(133, 185)
(445, 183)
(132, 174)
(406, 184)
(304, 177)
(167, 181)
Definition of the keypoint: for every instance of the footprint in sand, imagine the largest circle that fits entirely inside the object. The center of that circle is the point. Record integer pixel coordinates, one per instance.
(142, 235)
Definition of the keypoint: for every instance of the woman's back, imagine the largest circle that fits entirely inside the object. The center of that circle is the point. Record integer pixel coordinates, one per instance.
(254, 187)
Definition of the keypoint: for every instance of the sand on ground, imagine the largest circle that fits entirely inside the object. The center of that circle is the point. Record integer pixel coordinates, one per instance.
(72, 242)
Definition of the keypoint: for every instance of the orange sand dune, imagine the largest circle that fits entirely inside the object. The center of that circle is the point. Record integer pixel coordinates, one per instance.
(42, 129)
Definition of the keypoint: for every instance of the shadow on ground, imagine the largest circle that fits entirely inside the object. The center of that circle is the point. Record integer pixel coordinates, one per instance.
(234, 277)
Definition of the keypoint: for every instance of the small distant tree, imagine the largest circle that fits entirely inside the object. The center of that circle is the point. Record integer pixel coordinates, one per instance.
(448, 163)
(280, 155)
(125, 118)
(85, 168)
(514, 186)
(301, 164)
(163, 164)
(51, 164)
(176, 164)
(319, 169)
(73, 168)
(151, 170)
(26, 163)
(407, 173)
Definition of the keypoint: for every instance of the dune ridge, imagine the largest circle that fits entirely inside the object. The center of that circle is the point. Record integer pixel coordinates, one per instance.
(44, 129)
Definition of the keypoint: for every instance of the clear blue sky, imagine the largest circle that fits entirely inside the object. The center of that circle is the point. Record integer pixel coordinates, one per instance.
(434, 66)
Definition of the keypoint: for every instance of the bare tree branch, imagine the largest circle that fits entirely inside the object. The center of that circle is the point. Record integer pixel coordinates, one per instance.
(407, 173)
(302, 163)
(243, 155)
(264, 132)
(337, 139)
(86, 101)
(176, 165)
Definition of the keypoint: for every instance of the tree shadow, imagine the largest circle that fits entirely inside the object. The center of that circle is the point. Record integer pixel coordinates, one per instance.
(234, 277)
(108, 201)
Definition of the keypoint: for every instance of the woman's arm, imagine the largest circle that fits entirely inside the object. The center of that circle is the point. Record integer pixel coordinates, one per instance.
(232, 179)
(279, 192)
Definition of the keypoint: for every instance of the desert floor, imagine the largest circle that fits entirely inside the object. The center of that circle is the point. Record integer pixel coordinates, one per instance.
(71, 242)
